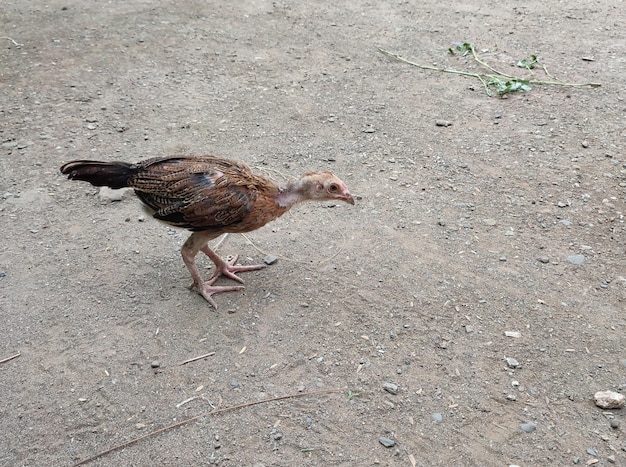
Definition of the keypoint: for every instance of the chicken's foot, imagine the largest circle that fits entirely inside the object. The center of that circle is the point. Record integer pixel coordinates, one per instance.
(228, 268)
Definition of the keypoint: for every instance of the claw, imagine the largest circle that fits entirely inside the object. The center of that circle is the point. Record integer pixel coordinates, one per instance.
(229, 268)
(207, 289)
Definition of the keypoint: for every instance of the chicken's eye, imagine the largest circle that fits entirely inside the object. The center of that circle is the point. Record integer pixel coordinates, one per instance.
(333, 188)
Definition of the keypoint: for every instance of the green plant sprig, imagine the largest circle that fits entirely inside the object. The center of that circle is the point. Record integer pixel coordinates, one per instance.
(502, 82)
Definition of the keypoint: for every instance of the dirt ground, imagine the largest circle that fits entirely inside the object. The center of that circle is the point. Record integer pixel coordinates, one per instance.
(460, 234)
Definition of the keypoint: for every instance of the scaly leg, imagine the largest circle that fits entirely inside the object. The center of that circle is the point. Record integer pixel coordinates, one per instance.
(227, 268)
(195, 243)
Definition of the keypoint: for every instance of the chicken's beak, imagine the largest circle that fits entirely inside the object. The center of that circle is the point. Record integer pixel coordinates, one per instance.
(347, 197)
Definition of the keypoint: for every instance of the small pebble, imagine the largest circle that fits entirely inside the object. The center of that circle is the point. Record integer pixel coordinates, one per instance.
(443, 123)
(391, 388)
(585, 144)
(528, 427)
(591, 452)
(614, 424)
(109, 195)
(155, 364)
(276, 435)
(576, 259)
(512, 363)
(270, 259)
(437, 417)
(387, 442)
(611, 458)
(234, 384)
(543, 259)
(469, 328)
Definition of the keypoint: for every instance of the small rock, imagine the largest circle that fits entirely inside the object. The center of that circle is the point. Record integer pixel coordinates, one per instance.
(277, 435)
(512, 363)
(543, 259)
(585, 144)
(576, 259)
(528, 427)
(609, 399)
(614, 424)
(490, 222)
(108, 195)
(514, 334)
(469, 328)
(591, 452)
(155, 364)
(561, 204)
(234, 384)
(437, 417)
(391, 388)
(270, 259)
(387, 442)
(443, 123)
(611, 458)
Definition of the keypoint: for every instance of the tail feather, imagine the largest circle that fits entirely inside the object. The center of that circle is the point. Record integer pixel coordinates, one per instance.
(111, 174)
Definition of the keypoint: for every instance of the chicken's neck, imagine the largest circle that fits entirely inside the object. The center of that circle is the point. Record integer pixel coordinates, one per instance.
(296, 192)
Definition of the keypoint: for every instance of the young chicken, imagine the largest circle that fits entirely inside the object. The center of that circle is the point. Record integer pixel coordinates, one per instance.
(210, 196)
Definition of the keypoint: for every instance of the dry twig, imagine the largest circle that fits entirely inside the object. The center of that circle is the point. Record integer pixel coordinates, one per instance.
(210, 354)
(206, 414)
(4, 360)
(17, 44)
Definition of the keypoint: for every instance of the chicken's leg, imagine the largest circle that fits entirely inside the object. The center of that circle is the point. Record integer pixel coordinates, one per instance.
(189, 251)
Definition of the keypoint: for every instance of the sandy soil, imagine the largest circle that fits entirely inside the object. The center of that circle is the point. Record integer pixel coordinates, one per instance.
(460, 234)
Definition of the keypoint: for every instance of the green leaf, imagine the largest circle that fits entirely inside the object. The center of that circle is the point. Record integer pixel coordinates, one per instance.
(514, 85)
(529, 64)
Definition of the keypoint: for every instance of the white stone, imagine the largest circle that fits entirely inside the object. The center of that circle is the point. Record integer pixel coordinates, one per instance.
(609, 399)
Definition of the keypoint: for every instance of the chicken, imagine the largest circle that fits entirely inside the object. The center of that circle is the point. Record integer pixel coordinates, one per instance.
(210, 196)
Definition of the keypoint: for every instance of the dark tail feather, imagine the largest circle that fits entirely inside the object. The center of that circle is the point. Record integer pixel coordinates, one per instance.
(111, 174)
